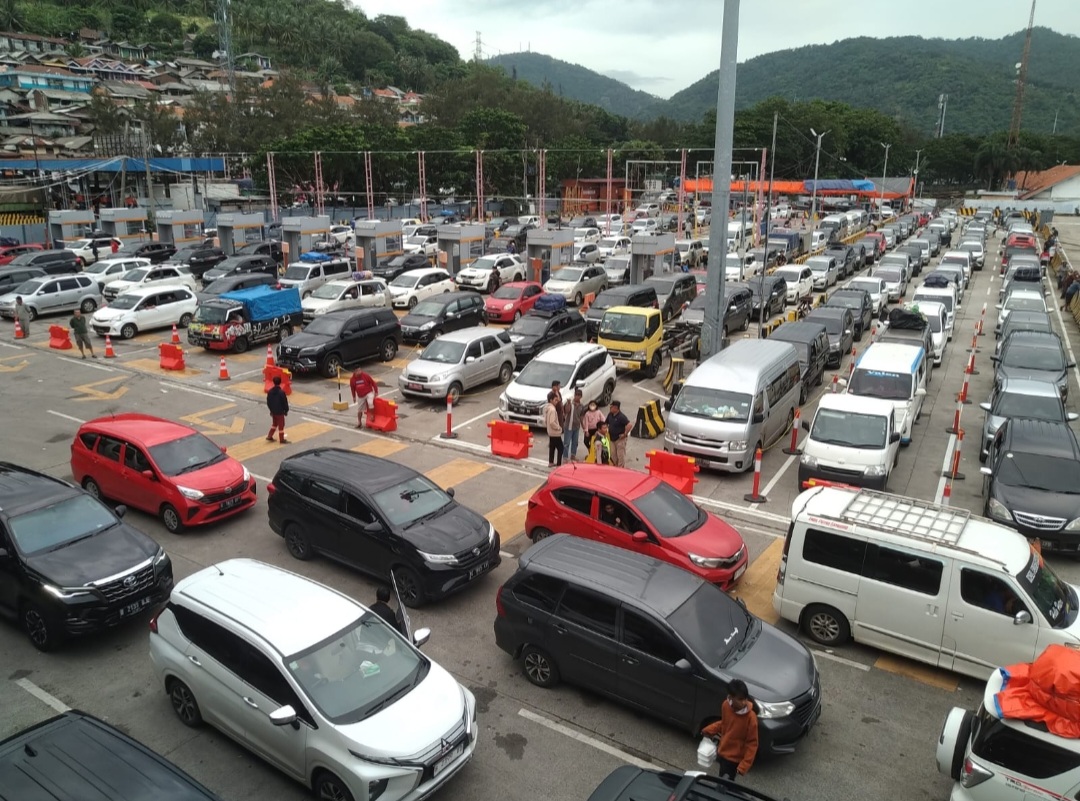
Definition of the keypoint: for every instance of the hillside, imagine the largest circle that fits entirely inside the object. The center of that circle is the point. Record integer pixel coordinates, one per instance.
(576, 83)
(903, 76)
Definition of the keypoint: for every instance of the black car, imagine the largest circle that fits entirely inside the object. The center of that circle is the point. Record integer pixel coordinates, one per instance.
(1016, 321)
(74, 757)
(774, 289)
(845, 259)
(1032, 481)
(738, 314)
(539, 330)
(383, 518)
(53, 262)
(199, 258)
(861, 305)
(11, 277)
(156, 252)
(651, 636)
(673, 292)
(871, 248)
(631, 783)
(241, 265)
(811, 342)
(391, 268)
(68, 564)
(450, 311)
(231, 283)
(640, 295)
(840, 326)
(267, 247)
(916, 254)
(341, 339)
(1034, 354)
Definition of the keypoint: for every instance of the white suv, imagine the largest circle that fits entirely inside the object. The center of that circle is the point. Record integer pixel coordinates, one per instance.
(150, 275)
(314, 683)
(478, 275)
(574, 364)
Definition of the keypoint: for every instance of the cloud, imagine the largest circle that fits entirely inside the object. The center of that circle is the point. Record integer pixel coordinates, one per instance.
(634, 79)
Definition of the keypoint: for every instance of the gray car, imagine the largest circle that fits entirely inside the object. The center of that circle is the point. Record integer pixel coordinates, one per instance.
(840, 326)
(1021, 397)
(458, 361)
(1036, 355)
(53, 295)
(1023, 321)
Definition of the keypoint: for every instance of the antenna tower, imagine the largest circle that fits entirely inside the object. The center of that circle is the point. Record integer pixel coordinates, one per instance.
(223, 19)
(1021, 79)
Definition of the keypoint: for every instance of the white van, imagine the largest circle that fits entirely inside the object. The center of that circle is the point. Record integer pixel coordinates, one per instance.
(852, 440)
(946, 296)
(818, 240)
(895, 373)
(929, 582)
(937, 317)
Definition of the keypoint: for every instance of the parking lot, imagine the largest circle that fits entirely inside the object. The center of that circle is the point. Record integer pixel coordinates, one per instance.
(881, 714)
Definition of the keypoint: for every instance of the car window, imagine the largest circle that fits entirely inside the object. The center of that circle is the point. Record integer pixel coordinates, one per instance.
(994, 741)
(217, 642)
(89, 440)
(618, 516)
(989, 592)
(135, 459)
(358, 509)
(473, 350)
(324, 493)
(258, 671)
(591, 612)
(577, 499)
(540, 591)
(109, 448)
(491, 344)
(834, 550)
(643, 635)
(902, 569)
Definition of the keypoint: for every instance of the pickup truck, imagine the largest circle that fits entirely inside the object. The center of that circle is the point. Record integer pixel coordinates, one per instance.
(637, 339)
(234, 321)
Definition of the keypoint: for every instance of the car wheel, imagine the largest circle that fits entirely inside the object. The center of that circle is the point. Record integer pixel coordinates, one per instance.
(388, 350)
(506, 372)
(296, 542)
(825, 626)
(605, 396)
(331, 365)
(454, 392)
(305, 295)
(92, 488)
(39, 627)
(438, 332)
(540, 533)
(412, 302)
(184, 704)
(170, 518)
(185, 320)
(517, 315)
(410, 588)
(578, 299)
(240, 344)
(329, 787)
(88, 306)
(657, 361)
(128, 331)
(745, 323)
(539, 668)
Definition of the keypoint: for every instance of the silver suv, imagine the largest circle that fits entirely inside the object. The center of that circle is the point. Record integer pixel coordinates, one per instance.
(53, 295)
(307, 276)
(458, 361)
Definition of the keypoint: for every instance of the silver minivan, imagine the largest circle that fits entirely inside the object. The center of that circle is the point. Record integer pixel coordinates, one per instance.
(53, 295)
(458, 361)
(741, 399)
(307, 276)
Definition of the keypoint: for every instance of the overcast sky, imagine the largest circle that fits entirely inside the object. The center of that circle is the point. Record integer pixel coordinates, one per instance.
(662, 46)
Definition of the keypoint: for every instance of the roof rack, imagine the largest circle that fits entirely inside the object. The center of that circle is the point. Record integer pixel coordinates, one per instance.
(918, 519)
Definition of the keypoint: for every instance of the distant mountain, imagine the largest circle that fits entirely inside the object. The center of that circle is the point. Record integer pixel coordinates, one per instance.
(577, 83)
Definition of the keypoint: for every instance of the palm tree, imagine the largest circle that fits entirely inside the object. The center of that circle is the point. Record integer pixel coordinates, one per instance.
(11, 18)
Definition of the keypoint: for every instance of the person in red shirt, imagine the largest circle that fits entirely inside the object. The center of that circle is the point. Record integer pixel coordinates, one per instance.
(364, 389)
(115, 247)
(737, 730)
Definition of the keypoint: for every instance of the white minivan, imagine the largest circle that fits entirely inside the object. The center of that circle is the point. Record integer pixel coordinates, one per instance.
(800, 281)
(895, 373)
(932, 583)
(946, 296)
(851, 440)
(937, 317)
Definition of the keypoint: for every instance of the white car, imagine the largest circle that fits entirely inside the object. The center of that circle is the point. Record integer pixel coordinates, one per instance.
(610, 224)
(343, 234)
(479, 274)
(800, 281)
(875, 288)
(105, 271)
(313, 682)
(84, 248)
(419, 243)
(736, 268)
(577, 281)
(647, 210)
(1020, 300)
(413, 286)
(825, 271)
(574, 364)
(645, 225)
(338, 295)
(583, 235)
(146, 308)
(587, 252)
(937, 316)
(529, 219)
(153, 275)
(613, 246)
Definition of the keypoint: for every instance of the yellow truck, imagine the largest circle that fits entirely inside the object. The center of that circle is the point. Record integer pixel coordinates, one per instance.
(637, 340)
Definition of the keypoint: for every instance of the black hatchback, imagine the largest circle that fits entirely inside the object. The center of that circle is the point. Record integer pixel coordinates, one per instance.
(860, 304)
(382, 518)
(773, 288)
(450, 311)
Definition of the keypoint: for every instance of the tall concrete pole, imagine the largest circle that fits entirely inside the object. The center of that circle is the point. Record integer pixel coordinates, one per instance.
(715, 301)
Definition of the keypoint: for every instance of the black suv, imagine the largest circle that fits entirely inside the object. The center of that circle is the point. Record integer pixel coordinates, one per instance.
(862, 308)
(774, 289)
(640, 295)
(267, 247)
(538, 330)
(199, 258)
(53, 262)
(674, 292)
(845, 259)
(11, 277)
(241, 265)
(157, 252)
(391, 268)
(383, 518)
(840, 326)
(450, 311)
(231, 283)
(68, 564)
(341, 339)
(630, 783)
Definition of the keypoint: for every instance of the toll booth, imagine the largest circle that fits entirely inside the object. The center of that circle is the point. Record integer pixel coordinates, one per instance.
(376, 241)
(649, 251)
(125, 224)
(236, 230)
(299, 235)
(65, 226)
(179, 227)
(547, 250)
(459, 246)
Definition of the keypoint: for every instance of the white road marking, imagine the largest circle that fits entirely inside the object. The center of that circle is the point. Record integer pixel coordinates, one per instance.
(43, 696)
(599, 745)
(779, 474)
(472, 446)
(776, 535)
(66, 416)
(507, 555)
(213, 395)
(263, 479)
(834, 658)
(781, 521)
(10, 345)
(87, 363)
(472, 420)
(651, 392)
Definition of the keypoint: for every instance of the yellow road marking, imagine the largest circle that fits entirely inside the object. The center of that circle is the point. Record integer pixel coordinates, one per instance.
(255, 388)
(456, 472)
(758, 582)
(90, 392)
(13, 368)
(209, 427)
(509, 519)
(245, 358)
(925, 674)
(251, 448)
(381, 447)
(154, 366)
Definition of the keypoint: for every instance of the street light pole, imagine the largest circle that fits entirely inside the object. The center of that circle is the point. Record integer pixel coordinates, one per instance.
(884, 172)
(916, 173)
(817, 162)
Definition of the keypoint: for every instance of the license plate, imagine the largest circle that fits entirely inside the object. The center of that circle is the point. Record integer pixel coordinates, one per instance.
(739, 572)
(135, 608)
(479, 570)
(622, 364)
(229, 504)
(415, 387)
(445, 762)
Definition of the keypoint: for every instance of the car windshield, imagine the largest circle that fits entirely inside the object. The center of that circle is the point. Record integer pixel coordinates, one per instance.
(713, 625)
(934, 321)
(669, 511)
(185, 254)
(880, 384)
(818, 266)
(484, 263)
(872, 287)
(124, 302)
(97, 267)
(507, 293)
(443, 351)
(529, 325)
(539, 373)
(1033, 357)
(1033, 407)
(791, 276)
(359, 671)
(325, 326)
(52, 527)
(663, 288)
(409, 502)
(417, 239)
(608, 243)
(405, 280)
(845, 300)
(850, 429)
(512, 231)
(832, 323)
(617, 325)
(713, 404)
(1056, 600)
(329, 292)
(134, 276)
(890, 275)
(1039, 472)
(568, 274)
(186, 454)
(298, 272)
(1017, 303)
(943, 299)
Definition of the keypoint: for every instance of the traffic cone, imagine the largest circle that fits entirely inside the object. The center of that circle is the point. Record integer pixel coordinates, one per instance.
(175, 335)
(223, 371)
(270, 356)
(19, 333)
(947, 494)
(109, 352)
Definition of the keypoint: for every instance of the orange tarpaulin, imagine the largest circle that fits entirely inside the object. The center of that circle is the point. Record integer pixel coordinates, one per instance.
(1046, 690)
(778, 187)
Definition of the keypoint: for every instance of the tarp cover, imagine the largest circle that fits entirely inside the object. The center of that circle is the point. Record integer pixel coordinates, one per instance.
(1046, 690)
(936, 281)
(906, 319)
(265, 302)
(839, 185)
(549, 303)
(313, 256)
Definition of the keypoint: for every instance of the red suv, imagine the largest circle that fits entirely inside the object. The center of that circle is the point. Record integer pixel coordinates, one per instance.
(162, 468)
(640, 513)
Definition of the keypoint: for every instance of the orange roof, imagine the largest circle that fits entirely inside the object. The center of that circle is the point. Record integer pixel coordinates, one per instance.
(344, 100)
(383, 93)
(267, 84)
(1031, 183)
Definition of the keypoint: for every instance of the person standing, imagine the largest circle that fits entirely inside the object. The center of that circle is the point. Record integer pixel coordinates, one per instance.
(364, 389)
(573, 411)
(22, 314)
(278, 404)
(600, 450)
(590, 421)
(94, 250)
(77, 326)
(114, 246)
(382, 608)
(554, 430)
(618, 430)
(556, 390)
(737, 730)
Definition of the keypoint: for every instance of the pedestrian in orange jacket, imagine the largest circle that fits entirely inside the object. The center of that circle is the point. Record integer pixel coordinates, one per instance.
(737, 730)
(364, 388)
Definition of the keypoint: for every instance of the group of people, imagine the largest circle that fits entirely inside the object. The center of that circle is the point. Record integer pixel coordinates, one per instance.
(566, 421)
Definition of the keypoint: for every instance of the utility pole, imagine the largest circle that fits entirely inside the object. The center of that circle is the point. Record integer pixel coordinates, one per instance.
(817, 161)
(916, 172)
(768, 223)
(942, 104)
(884, 172)
(712, 333)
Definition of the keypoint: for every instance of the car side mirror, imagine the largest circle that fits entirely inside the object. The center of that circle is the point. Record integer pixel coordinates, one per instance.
(995, 358)
(985, 406)
(805, 425)
(120, 510)
(224, 449)
(283, 716)
(148, 474)
(639, 536)
(683, 665)
(758, 418)
(986, 471)
(999, 306)
(1023, 617)
(920, 392)
(1070, 416)
(470, 359)
(894, 437)
(420, 637)
(1071, 365)
(450, 492)
(3, 553)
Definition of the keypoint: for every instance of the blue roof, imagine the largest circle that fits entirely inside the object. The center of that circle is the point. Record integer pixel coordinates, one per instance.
(182, 164)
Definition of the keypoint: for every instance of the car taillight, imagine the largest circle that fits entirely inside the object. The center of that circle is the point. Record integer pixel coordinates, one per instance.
(153, 623)
(270, 488)
(533, 503)
(973, 774)
(500, 610)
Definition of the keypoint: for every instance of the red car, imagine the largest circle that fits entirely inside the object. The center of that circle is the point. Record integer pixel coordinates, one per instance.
(512, 300)
(640, 513)
(9, 252)
(161, 467)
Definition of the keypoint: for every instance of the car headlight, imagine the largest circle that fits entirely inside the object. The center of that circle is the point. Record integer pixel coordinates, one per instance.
(438, 558)
(997, 509)
(776, 709)
(437, 378)
(160, 556)
(1074, 525)
(188, 492)
(502, 403)
(710, 561)
(322, 310)
(638, 355)
(66, 593)
(247, 474)
(737, 445)
(875, 470)
(806, 460)
(508, 306)
(491, 534)
(427, 326)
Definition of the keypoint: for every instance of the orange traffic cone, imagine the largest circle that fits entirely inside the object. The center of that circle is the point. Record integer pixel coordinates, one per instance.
(19, 333)
(175, 335)
(223, 371)
(946, 496)
(270, 356)
(109, 352)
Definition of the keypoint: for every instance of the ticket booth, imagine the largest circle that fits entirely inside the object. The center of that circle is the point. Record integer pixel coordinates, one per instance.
(127, 225)
(236, 230)
(66, 226)
(376, 241)
(299, 235)
(459, 246)
(547, 250)
(649, 251)
(179, 227)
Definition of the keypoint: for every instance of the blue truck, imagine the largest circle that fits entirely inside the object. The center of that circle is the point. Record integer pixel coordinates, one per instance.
(234, 321)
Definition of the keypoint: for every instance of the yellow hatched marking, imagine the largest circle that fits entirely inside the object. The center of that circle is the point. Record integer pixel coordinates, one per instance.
(381, 447)
(456, 472)
(259, 446)
(509, 519)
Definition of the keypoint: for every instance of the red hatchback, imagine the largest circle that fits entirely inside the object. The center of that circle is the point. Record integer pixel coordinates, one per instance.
(162, 468)
(512, 300)
(640, 513)
(8, 253)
